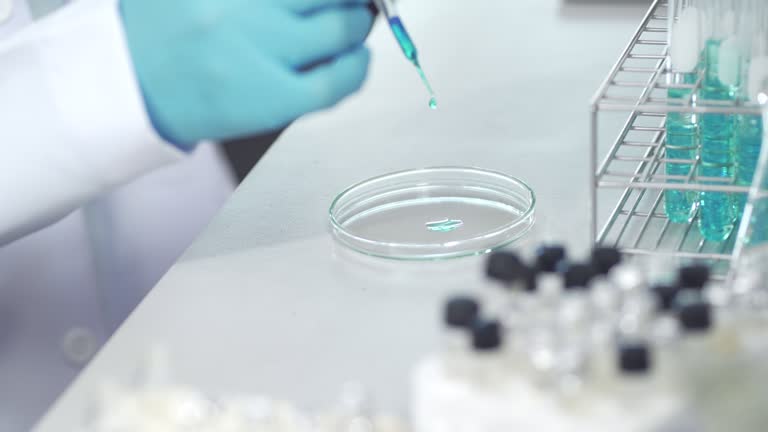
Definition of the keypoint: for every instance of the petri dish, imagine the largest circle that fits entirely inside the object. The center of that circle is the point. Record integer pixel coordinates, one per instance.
(433, 213)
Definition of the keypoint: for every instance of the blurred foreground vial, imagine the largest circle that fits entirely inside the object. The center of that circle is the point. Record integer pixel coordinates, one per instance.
(634, 358)
(461, 312)
(604, 259)
(503, 266)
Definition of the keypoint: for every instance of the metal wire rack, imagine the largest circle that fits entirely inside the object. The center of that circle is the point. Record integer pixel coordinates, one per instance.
(633, 167)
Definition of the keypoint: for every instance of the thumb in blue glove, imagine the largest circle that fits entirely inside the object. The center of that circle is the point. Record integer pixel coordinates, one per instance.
(221, 69)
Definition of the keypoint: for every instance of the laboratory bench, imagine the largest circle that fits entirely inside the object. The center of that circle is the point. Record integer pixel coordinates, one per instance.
(266, 302)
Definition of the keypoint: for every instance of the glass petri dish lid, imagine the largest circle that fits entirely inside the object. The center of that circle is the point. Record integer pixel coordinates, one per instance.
(433, 213)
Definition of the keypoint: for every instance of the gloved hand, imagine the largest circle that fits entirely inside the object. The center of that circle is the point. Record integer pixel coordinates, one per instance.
(221, 69)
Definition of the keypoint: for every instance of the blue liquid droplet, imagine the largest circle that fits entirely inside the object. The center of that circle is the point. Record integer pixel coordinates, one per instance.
(445, 225)
(433, 103)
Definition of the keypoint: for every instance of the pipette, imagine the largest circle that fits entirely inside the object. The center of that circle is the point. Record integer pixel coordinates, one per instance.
(387, 7)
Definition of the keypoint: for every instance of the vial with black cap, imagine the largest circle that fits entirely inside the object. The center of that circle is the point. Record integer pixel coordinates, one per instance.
(695, 282)
(542, 332)
(695, 354)
(692, 279)
(574, 306)
(666, 328)
(634, 372)
(605, 296)
(507, 272)
(641, 390)
(691, 303)
(696, 320)
(605, 259)
(538, 340)
(639, 304)
(487, 360)
(626, 313)
(694, 276)
(694, 314)
(548, 280)
(628, 277)
(527, 303)
(459, 316)
(574, 322)
(513, 296)
(681, 329)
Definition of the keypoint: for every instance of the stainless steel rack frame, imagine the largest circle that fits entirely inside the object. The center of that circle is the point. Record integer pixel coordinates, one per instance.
(634, 165)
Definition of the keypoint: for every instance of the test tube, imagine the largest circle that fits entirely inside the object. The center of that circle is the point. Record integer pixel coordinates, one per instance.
(757, 235)
(757, 89)
(720, 83)
(682, 139)
(749, 128)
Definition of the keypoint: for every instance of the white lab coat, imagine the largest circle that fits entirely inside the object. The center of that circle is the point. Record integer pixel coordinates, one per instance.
(94, 206)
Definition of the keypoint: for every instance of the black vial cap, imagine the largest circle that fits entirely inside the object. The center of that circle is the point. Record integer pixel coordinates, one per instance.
(486, 335)
(504, 266)
(634, 358)
(577, 275)
(605, 258)
(461, 312)
(693, 276)
(695, 316)
(665, 295)
(548, 257)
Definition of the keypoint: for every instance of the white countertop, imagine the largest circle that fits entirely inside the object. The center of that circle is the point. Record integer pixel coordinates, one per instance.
(264, 301)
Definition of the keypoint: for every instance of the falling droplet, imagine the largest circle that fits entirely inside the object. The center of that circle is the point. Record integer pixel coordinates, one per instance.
(432, 100)
(445, 225)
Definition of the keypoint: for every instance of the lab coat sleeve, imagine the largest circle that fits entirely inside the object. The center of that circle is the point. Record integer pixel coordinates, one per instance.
(73, 123)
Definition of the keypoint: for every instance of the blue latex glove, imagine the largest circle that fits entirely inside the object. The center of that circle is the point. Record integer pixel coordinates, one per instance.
(220, 69)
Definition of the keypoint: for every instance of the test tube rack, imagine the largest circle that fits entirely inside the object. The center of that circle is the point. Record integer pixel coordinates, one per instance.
(633, 168)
